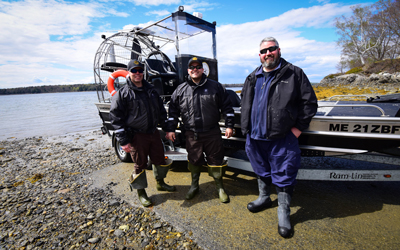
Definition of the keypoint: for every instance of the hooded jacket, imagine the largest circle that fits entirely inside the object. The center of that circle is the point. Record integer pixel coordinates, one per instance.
(291, 101)
(130, 113)
(200, 106)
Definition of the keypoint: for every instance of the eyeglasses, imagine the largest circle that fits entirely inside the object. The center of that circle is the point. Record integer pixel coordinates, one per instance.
(134, 71)
(195, 67)
(271, 49)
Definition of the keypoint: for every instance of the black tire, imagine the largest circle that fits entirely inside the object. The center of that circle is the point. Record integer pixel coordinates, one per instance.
(122, 155)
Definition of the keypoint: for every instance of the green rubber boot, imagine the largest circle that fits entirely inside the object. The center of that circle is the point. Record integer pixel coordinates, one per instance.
(194, 187)
(160, 172)
(139, 182)
(217, 172)
(143, 198)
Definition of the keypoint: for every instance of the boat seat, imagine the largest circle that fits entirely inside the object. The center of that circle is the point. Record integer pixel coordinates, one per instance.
(157, 68)
(160, 75)
(233, 96)
(112, 66)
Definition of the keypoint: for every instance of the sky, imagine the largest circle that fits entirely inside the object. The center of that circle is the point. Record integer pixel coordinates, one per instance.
(53, 42)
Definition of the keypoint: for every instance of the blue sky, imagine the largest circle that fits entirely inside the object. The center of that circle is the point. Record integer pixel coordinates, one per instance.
(50, 42)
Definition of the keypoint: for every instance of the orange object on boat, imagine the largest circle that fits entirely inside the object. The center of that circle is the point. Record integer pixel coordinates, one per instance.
(111, 79)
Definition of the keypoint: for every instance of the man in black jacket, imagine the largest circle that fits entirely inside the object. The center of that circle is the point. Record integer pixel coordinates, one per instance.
(278, 102)
(200, 102)
(136, 110)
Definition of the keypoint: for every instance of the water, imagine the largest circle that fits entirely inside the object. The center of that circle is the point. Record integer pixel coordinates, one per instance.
(48, 114)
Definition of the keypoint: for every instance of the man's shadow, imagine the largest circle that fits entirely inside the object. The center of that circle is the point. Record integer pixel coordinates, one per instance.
(331, 199)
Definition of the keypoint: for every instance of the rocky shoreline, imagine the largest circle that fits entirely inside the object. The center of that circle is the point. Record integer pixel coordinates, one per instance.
(47, 203)
(383, 80)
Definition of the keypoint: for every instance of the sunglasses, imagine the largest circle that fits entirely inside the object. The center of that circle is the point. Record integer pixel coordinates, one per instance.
(134, 71)
(264, 51)
(196, 67)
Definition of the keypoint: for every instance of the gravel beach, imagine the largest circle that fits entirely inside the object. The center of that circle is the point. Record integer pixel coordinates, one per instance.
(46, 203)
(70, 192)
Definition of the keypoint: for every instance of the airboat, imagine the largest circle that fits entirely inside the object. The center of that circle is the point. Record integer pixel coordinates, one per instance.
(340, 127)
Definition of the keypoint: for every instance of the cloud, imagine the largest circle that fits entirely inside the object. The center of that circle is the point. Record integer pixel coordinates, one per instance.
(192, 6)
(158, 13)
(53, 42)
(238, 45)
(155, 2)
(44, 37)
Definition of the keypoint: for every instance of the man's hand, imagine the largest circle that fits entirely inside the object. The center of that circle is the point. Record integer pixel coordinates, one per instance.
(127, 148)
(296, 132)
(170, 136)
(228, 132)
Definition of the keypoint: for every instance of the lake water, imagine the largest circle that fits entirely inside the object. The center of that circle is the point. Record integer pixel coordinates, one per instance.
(48, 114)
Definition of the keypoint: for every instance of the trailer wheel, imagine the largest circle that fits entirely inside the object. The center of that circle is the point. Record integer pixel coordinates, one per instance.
(122, 155)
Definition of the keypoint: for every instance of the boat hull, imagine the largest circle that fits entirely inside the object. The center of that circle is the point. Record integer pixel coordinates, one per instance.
(326, 136)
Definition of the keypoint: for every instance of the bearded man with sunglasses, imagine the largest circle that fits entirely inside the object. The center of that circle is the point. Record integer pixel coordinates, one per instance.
(200, 101)
(136, 110)
(278, 102)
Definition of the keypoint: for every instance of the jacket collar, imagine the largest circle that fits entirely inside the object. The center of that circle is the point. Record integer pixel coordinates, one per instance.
(202, 81)
(146, 86)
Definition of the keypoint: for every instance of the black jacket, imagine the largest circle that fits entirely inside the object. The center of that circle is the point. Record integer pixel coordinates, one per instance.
(291, 101)
(200, 106)
(135, 112)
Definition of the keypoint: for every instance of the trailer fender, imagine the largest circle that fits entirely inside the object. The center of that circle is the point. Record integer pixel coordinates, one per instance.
(112, 77)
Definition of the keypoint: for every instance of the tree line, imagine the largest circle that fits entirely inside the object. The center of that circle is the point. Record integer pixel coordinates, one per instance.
(49, 89)
(370, 34)
(63, 88)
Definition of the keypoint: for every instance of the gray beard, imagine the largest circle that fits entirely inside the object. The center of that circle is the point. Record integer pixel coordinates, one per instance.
(273, 64)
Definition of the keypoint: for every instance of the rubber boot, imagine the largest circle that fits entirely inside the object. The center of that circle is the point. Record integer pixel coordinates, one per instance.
(217, 172)
(143, 198)
(194, 187)
(160, 172)
(284, 199)
(139, 182)
(263, 201)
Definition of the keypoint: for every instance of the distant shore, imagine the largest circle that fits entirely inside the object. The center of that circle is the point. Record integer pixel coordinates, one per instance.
(66, 88)
(49, 89)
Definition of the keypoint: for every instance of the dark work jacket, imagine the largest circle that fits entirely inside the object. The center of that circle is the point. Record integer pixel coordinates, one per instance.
(291, 101)
(129, 113)
(200, 106)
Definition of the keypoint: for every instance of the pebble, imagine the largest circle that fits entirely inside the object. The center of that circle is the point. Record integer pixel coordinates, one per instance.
(45, 202)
